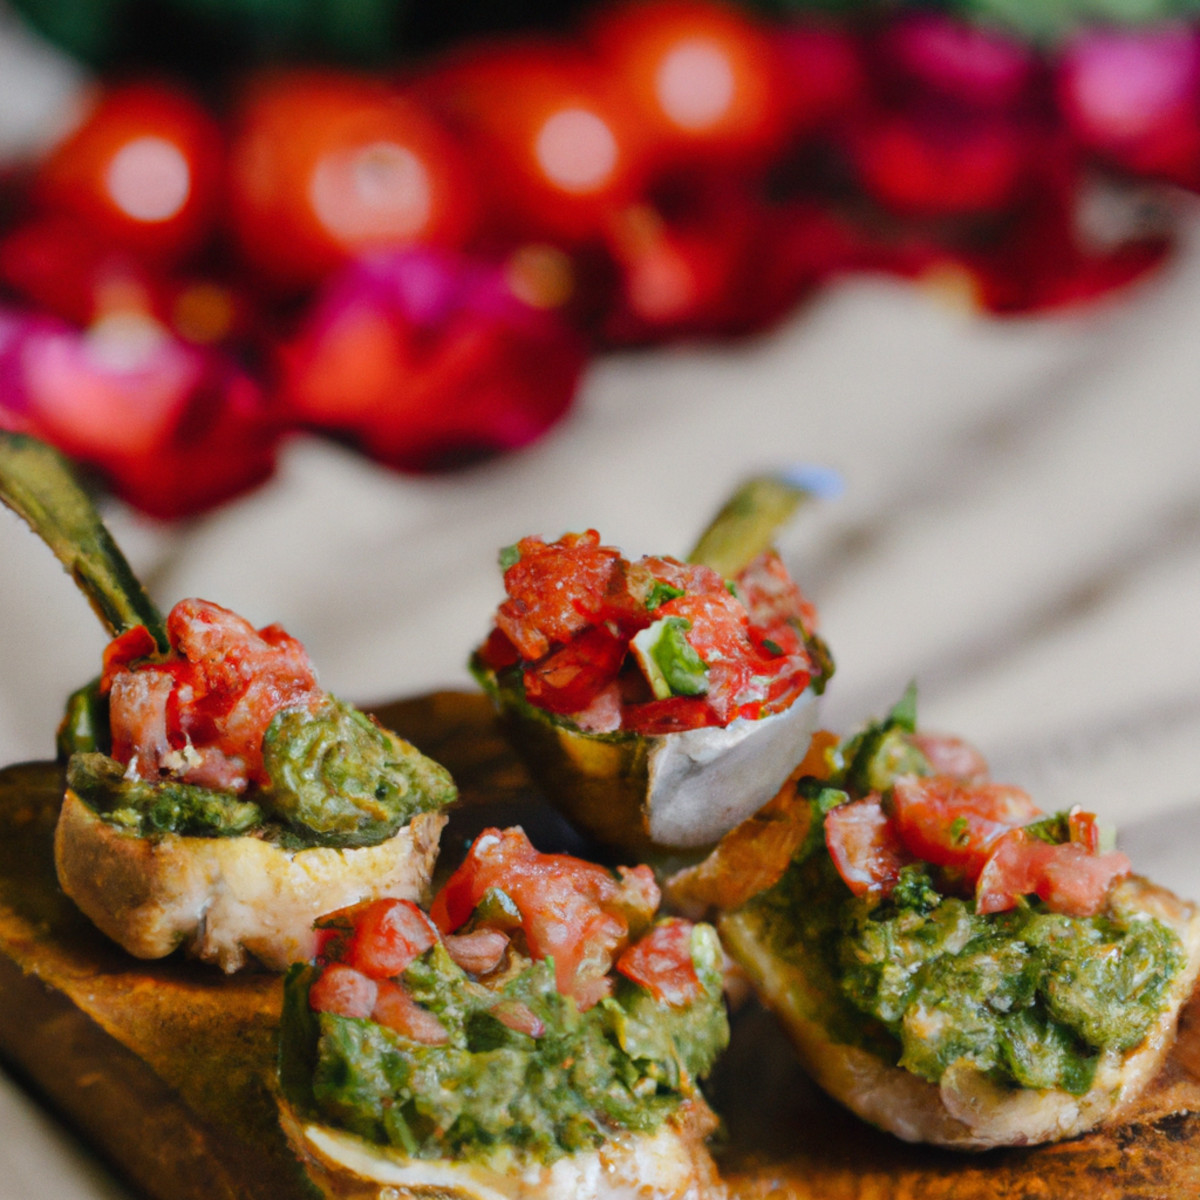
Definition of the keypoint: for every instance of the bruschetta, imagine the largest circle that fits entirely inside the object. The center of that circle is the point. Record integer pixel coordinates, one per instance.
(657, 702)
(539, 1034)
(217, 798)
(952, 964)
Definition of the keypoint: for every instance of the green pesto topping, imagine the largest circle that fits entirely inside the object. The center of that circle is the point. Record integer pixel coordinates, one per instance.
(148, 807)
(338, 778)
(492, 1094)
(1030, 997)
(670, 664)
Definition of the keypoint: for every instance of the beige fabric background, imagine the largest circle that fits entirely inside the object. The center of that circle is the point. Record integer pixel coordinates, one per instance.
(1019, 531)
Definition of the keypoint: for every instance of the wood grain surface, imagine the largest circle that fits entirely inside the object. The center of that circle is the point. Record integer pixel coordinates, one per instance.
(164, 1069)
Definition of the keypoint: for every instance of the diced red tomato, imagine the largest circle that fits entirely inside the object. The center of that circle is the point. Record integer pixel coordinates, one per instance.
(719, 636)
(480, 951)
(954, 824)
(662, 963)
(1076, 882)
(577, 592)
(603, 714)
(123, 651)
(1084, 829)
(673, 715)
(498, 652)
(216, 690)
(396, 1009)
(953, 756)
(1067, 877)
(586, 598)
(572, 911)
(388, 935)
(772, 596)
(568, 680)
(518, 1017)
(554, 590)
(865, 846)
(343, 991)
(634, 588)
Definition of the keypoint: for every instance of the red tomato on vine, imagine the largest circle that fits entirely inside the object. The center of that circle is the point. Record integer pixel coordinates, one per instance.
(143, 171)
(326, 165)
(703, 77)
(559, 149)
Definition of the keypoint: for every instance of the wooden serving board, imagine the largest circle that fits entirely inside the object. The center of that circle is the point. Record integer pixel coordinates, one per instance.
(164, 1068)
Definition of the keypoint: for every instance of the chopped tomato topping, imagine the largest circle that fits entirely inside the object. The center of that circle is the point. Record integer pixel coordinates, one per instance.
(603, 714)
(518, 1017)
(574, 912)
(772, 596)
(478, 952)
(199, 712)
(555, 590)
(343, 991)
(498, 651)
(573, 607)
(661, 962)
(1068, 877)
(672, 715)
(865, 846)
(388, 935)
(396, 1009)
(719, 635)
(1084, 830)
(570, 679)
(953, 756)
(123, 651)
(954, 824)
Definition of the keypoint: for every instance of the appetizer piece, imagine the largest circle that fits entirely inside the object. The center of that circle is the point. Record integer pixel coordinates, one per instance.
(217, 798)
(538, 1034)
(952, 964)
(658, 702)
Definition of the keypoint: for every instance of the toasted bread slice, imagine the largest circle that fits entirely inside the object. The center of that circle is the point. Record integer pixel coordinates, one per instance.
(965, 1110)
(670, 1164)
(226, 898)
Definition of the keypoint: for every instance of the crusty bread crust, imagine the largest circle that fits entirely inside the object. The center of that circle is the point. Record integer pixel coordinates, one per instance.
(224, 899)
(671, 1164)
(965, 1110)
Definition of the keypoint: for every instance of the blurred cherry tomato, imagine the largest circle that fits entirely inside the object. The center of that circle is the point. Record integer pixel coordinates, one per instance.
(327, 165)
(144, 171)
(559, 152)
(427, 360)
(703, 77)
